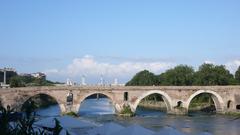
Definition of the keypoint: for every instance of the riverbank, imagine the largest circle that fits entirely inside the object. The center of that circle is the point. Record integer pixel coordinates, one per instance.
(161, 106)
(154, 105)
(203, 107)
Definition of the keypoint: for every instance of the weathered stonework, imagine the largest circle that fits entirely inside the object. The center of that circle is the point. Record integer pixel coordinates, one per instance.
(226, 98)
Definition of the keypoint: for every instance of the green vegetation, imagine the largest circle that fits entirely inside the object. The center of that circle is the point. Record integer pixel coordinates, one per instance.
(237, 75)
(153, 102)
(183, 75)
(126, 111)
(24, 81)
(203, 102)
(73, 114)
(17, 81)
(153, 97)
(24, 125)
(210, 74)
(237, 114)
(143, 78)
(40, 101)
(180, 75)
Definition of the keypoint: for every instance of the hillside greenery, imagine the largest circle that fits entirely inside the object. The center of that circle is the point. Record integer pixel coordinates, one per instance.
(24, 81)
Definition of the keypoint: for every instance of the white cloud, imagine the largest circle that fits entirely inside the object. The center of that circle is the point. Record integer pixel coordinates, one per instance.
(232, 66)
(93, 68)
(209, 62)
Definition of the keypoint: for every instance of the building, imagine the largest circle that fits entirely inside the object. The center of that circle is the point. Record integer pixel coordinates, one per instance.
(25, 75)
(39, 75)
(6, 74)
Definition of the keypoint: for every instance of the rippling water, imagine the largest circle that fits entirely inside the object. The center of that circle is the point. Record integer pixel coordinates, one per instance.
(102, 111)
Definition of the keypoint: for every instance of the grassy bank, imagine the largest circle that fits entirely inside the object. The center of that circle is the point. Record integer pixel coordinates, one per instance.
(154, 105)
(204, 107)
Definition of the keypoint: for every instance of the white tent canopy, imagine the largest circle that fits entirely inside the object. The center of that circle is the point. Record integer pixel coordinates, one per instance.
(169, 131)
(106, 129)
(134, 130)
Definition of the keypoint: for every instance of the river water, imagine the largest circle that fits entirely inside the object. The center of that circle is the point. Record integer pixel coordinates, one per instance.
(102, 111)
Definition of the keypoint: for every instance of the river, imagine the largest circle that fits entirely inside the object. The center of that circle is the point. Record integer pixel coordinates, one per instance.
(102, 111)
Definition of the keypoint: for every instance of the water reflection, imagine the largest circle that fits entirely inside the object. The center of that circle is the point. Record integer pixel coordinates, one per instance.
(99, 106)
(149, 112)
(50, 111)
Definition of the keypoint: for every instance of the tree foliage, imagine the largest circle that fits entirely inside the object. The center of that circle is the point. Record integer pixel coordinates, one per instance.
(183, 75)
(17, 81)
(22, 81)
(180, 75)
(144, 78)
(209, 74)
(237, 75)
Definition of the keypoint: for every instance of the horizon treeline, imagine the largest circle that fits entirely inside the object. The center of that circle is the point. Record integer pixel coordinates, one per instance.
(184, 75)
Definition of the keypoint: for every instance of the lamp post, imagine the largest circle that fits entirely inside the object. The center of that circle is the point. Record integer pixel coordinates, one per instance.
(4, 76)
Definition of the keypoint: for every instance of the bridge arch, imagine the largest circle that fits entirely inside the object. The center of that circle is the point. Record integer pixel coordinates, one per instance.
(108, 95)
(59, 103)
(167, 100)
(217, 99)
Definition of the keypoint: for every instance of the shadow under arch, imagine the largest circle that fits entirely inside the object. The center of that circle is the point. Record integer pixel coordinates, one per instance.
(229, 104)
(167, 100)
(217, 99)
(93, 96)
(41, 101)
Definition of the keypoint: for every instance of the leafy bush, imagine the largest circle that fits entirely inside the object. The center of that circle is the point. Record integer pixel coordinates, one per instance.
(24, 125)
(17, 81)
(126, 111)
(73, 114)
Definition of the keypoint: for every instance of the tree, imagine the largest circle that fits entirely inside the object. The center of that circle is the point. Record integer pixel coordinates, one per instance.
(143, 78)
(180, 75)
(209, 74)
(13, 123)
(17, 81)
(237, 75)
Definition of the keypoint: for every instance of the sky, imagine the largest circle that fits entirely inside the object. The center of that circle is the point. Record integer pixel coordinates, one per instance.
(117, 38)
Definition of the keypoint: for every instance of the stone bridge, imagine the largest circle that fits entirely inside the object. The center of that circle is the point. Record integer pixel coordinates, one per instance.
(226, 98)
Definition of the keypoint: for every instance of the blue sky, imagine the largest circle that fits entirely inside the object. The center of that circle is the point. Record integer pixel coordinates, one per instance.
(67, 39)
